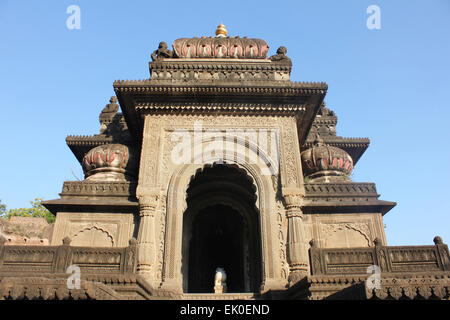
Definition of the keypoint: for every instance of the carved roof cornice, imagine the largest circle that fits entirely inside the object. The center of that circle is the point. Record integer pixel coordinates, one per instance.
(341, 142)
(219, 64)
(137, 95)
(345, 189)
(205, 87)
(83, 140)
(219, 70)
(80, 145)
(230, 108)
(95, 196)
(325, 120)
(344, 197)
(98, 189)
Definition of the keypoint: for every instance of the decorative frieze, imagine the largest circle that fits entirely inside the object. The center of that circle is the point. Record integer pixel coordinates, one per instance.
(99, 189)
(345, 189)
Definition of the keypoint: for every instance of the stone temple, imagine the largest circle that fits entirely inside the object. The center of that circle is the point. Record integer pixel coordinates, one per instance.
(219, 160)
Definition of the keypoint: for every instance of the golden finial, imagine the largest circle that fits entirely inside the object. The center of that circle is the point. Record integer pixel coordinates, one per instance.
(221, 31)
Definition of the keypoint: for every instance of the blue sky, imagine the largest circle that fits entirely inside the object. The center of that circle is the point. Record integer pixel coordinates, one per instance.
(391, 85)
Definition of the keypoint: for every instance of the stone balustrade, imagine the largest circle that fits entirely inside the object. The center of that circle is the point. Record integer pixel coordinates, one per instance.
(390, 259)
(56, 259)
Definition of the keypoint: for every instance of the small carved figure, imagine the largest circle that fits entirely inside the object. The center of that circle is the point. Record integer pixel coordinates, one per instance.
(281, 56)
(220, 285)
(108, 113)
(112, 106)
(162, 52)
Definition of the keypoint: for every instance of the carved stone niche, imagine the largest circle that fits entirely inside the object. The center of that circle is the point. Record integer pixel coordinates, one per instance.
(344, 234)
(94, 229)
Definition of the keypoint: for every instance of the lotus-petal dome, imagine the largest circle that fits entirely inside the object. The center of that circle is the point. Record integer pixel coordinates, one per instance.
(323, 163)
(109, 162)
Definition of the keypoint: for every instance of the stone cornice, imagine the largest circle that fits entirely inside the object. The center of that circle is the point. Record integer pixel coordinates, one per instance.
(345, 189)
(94, 140)
(340, 141)
(98, 189)
(235, 108)
(344, 197)
(219, 64)
(325, 120)
(219, 70)
(290, 88)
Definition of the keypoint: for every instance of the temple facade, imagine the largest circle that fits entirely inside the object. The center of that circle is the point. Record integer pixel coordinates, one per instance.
(219, 160)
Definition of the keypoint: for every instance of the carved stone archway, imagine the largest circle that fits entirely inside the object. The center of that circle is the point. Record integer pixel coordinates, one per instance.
(221, 229)
(271, 265)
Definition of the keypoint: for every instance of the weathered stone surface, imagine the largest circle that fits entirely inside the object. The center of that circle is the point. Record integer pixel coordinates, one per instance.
(26, 231)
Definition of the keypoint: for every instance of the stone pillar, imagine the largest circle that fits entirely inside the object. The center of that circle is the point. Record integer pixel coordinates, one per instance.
(297, 254)
(146, 235)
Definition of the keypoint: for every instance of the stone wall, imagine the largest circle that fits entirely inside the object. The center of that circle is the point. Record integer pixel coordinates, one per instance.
(26, 231)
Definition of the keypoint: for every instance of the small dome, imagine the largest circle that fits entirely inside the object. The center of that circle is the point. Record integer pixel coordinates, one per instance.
(323, 163)
(109, 162)
(221, 31)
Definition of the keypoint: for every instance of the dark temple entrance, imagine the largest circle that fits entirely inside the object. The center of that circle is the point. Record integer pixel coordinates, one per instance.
(221, 229)
(217, 241)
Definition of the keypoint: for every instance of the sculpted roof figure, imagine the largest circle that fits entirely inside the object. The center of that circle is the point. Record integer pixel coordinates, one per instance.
(108, 113)
(281, 56)
(112, 106)
(162, 52)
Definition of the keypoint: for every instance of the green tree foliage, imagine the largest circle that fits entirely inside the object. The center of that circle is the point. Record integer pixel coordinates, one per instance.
(2, 209)
(37, 210)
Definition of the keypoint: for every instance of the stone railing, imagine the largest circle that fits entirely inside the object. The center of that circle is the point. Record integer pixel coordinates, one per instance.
(29, 260)
(402, 259)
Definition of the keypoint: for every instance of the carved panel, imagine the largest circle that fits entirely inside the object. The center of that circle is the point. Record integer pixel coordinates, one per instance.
(339, 235)
(290, 154)
(91, 236)
(338, 230)
(94, 229)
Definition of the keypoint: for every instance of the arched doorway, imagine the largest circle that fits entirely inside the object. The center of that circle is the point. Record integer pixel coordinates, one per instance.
(221, 229)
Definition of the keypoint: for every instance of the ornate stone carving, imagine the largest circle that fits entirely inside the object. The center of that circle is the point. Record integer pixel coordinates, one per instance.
(110, 162)
(296, 244)
(162, 52)
(282, 230)
(220, 47)
(93, 235)
(406, 259)
(329, 229)
(99, 188)
(323, 163)
(146, 235)
(107, 115)
(281, 56)
(109, 229)
(290, 153)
